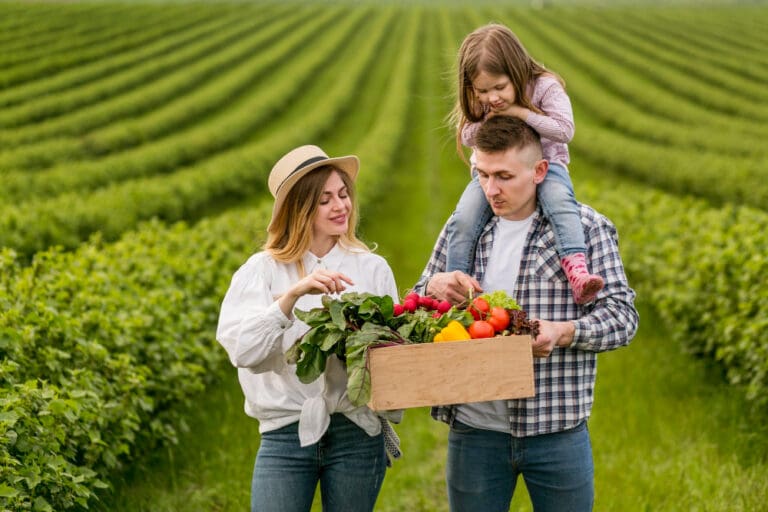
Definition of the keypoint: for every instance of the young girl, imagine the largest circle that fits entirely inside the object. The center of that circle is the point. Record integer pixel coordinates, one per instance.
(498, 77)
(310, 433)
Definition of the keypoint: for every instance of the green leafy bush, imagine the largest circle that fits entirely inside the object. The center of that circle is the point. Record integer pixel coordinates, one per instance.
(99, 347)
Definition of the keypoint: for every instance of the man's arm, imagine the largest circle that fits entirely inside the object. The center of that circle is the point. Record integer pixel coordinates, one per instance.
(613, 320)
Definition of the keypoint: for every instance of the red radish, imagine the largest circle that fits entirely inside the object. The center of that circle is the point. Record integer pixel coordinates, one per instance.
(412, 296)
(425, 302)
(443, 306)
(398, 310)
(410, 305)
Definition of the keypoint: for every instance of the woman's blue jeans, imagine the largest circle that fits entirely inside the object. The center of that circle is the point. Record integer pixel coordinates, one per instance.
(472, 213)
(348, 463)
(483, 466)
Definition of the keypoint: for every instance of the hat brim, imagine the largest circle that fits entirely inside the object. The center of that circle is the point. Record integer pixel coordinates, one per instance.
(349, 164)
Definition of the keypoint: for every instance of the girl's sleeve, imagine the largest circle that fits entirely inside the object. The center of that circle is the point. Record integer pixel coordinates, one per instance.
(251, 324)
(557, 121)
(468, 132)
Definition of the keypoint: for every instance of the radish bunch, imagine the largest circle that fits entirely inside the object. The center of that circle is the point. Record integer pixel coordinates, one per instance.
(413, 301)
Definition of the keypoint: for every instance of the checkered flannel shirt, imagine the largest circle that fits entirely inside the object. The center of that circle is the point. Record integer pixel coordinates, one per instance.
(565, 380)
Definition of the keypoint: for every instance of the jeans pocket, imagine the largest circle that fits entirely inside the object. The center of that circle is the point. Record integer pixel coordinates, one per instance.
(458, 427)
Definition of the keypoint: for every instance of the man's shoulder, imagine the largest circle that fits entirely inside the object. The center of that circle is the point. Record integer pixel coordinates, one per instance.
(592, 218)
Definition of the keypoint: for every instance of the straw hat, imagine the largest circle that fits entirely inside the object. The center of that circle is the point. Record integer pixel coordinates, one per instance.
(296, 164)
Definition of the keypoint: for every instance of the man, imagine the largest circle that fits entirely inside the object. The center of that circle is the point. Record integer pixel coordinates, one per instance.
(544, 438)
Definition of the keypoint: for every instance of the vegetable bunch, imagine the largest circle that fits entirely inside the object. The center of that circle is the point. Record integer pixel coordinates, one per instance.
(349, 325)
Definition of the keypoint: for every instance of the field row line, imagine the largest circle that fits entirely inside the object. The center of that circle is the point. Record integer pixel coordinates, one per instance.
(668, 72)
(25, 28)
(209, 87)
(698, 25)
(732, 70)
(222, 130)
(123, 39)
(128, 73)
(70, 218)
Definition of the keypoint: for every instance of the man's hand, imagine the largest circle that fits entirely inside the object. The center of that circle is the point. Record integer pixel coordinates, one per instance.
(551, 335)
(452, 286)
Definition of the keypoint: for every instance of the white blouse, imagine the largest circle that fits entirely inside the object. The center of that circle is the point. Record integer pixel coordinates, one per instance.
(256, 334)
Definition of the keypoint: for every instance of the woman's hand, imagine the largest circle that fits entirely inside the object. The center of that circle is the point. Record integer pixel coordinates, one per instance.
(318, 282)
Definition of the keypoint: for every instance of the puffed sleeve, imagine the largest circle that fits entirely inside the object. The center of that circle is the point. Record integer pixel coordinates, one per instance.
(385, 281)
(251, 323)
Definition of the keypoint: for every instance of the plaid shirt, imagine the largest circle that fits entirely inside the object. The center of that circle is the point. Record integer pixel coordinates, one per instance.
(565, 380)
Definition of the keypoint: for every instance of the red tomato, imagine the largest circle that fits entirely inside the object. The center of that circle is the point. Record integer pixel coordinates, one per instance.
(499, 318)
(479, 308)
(481, 329)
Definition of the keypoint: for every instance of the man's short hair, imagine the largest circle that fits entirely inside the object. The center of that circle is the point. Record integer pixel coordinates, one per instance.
(500, 133)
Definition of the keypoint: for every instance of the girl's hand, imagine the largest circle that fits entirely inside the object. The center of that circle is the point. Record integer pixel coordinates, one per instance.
(318, 282)
(513, 110)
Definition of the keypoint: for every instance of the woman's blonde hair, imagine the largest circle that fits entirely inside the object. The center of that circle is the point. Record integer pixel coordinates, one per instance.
(495, 49)
(290, 235)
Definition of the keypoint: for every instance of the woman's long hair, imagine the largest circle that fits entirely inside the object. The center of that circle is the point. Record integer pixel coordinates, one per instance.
(290, 235)
(495, 49)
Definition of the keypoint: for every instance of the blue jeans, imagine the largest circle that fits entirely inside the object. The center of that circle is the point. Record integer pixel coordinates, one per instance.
(472, 213)
(349, 464)
(559, 204)
(483, 466)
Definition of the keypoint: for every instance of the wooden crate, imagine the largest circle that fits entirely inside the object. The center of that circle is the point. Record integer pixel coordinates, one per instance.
(451, 372)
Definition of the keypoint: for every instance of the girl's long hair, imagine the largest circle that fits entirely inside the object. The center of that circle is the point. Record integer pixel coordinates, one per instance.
(290, 235)
(495, 49)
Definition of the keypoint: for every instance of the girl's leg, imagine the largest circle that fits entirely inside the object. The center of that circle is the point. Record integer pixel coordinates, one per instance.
(285, 474)
(559, 204)
(353, 467)
(464, 227)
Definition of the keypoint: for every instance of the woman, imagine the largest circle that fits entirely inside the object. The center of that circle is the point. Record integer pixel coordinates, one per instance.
(310, 433)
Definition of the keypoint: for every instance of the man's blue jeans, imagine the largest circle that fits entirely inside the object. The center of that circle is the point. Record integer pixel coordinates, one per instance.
(349, 464)
(483, 466)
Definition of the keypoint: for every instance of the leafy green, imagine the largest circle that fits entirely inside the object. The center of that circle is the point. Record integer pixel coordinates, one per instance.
(501, 299)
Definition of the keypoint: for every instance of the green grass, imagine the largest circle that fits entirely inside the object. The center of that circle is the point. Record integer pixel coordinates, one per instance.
(666, 434)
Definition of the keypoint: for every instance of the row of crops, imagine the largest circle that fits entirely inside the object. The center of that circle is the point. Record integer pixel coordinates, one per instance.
(117, 119)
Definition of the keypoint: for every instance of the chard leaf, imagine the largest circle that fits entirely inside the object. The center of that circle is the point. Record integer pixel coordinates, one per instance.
(332, 337)
(311, 364)
(313, 317)
(337, 315)
(359, 381)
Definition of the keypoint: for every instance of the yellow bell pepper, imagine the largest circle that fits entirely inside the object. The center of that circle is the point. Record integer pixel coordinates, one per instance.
(454, 331)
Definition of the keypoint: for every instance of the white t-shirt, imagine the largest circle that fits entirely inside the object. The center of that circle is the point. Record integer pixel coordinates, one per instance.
(256, 334)
(500, 274)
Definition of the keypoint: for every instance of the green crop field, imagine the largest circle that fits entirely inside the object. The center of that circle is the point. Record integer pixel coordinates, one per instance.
(135, 142)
